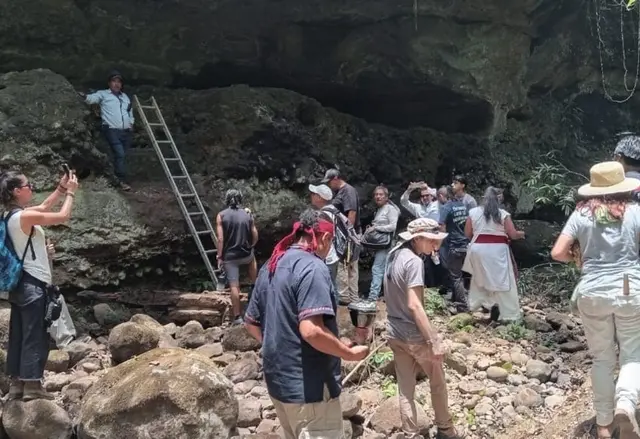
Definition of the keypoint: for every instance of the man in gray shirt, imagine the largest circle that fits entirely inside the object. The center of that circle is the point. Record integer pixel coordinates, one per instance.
(412, 337)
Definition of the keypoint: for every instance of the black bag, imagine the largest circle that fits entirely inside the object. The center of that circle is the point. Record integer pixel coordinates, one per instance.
(346, 240)
(377, 240)
(53, 308)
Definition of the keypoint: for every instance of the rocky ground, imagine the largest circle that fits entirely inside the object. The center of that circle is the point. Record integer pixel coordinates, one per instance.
(145, 379)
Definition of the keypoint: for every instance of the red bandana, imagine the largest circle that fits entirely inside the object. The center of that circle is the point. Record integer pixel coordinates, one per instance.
(281, 247)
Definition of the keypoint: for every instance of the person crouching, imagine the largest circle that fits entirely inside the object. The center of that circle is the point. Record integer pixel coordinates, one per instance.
(292, 311)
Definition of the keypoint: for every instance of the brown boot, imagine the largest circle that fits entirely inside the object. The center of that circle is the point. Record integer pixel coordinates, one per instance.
(16, 388)
(34, 390)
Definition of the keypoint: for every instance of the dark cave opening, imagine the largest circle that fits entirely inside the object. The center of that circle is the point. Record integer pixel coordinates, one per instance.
(376, 100)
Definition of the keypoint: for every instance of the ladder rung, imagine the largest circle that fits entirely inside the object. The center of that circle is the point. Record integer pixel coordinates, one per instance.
(187, 195)
(203, 232)
(195, 213)
(155, 124)
(172, 159)
(163, 141)
(178, 176)
(209, 252)
(147, 107)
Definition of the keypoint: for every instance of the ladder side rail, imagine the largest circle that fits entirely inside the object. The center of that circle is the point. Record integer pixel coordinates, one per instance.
(183, 167)
(176, 191)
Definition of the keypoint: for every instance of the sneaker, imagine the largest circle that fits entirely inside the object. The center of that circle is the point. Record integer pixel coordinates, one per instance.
(16, 389)
(627, 424)
(124, 186)
(495, 313)
(237, 321)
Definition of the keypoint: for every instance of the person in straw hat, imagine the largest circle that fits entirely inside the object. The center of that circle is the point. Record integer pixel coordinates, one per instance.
(606, 224)
(413, 339)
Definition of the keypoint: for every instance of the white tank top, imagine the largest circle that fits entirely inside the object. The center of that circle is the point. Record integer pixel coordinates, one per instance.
(38, 268)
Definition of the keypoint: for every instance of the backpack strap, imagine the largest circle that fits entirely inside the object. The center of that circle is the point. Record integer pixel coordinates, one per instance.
(29, 240)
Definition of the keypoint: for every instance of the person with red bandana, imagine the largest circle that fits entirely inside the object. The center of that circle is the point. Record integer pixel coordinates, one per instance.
(292, 311)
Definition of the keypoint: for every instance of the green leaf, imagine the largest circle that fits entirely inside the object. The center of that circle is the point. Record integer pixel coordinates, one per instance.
(630, 3)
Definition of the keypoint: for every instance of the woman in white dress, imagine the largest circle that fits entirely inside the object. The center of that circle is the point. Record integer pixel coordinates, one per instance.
(490, 261)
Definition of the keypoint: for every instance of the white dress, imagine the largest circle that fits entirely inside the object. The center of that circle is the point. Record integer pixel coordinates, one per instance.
(493, 279)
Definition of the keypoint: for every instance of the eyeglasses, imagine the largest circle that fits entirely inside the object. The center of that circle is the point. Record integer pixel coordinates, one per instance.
(29, 185)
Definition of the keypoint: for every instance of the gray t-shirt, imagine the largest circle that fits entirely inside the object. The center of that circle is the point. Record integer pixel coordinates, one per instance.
(608, 251)
(405, 271)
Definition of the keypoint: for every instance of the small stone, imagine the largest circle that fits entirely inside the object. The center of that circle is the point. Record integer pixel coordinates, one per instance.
(554, 401)
(267, 426)
(242, 370)
(519, 359)
(483, 364)
(516, 380)
(210, 350)
(77, 351)
(224, 359)
(351, 404)
(249, 413)
(538, 370)
(483, 409)
(259, 392)
(572, 346)
(535, 323)
(55, 383)
(471, 402)
(497, 374)
(527, 398)
(58, 361)
(91, 366)
(244, 387)
(470, 387)
(457, 362)
(171, 329)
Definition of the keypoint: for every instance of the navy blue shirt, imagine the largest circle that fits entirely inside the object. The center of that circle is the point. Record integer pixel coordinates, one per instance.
(300, 288)
(454, 216)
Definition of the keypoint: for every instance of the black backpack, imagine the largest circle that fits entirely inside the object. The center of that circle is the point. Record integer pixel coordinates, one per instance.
(345, 240)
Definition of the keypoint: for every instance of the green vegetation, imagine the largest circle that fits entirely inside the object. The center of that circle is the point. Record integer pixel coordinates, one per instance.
(381, 358)
(513, 332)
(434, 303)
(389, 387)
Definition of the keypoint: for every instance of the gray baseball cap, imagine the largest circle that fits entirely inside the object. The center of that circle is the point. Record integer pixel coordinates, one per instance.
(629, 147)
(331, 174)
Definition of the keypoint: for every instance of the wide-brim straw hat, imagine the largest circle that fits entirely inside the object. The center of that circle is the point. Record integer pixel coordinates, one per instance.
(607, 178)
(425, 227)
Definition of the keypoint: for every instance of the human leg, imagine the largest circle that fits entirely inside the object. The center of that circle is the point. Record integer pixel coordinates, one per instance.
(627, 321)
(377, 273)
(599, 328)
(233, 278)
(455, 261)
(126, 140)
(35, 350)
(322, 420)
(117, 148)
(14, 352)
(342, 281)
(406, 368)
(354, 276)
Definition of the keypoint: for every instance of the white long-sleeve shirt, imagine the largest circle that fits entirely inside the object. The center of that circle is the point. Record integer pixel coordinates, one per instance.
(419, 210)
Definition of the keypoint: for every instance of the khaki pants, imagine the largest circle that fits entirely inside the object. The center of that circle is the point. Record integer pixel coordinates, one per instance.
(320, 420)
(347, 281)
(407, 358)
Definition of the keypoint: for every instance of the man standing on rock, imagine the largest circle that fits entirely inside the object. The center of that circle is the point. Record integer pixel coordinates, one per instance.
(237, 236)
(347, 202)
(321, 196)
(292, 311)
(116, 113)
(414, 340)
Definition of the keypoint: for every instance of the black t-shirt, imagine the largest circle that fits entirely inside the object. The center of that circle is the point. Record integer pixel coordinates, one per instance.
(237, 237)
(454, 216)
(301, 287)
(346, 200)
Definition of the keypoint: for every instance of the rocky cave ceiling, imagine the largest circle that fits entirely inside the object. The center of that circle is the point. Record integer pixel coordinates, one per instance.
(452, 65)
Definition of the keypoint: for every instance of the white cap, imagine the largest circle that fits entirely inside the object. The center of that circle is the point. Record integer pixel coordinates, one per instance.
(322, 190)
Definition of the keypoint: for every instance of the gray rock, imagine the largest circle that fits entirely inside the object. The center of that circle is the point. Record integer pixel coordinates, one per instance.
(58, 361)
(249, 413)
(471, 387)
(210, 350)
(527, 397)
(572, 346)
(347, 429)
(38, 419)
(77, 351)
(242, 370)
(554, 401)
(457, 362)
(129, 339)
(538, 370)
(351, 404)
(238, 339)
(191, 335)
(535, 323)
(497, 374)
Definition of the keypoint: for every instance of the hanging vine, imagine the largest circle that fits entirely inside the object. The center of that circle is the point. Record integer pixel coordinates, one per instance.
(625, 6)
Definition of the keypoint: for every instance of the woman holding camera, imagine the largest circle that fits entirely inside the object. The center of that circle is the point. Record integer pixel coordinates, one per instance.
(28, 336)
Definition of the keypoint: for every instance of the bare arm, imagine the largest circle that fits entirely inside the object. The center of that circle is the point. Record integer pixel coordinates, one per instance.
(561, 250)
(510, 228)
(468, 228)
(50, 201)
(220, 233)
(254, 330)
(351, 215)
(254, 234)
(320, 338)
(30, 218)
(416, 307)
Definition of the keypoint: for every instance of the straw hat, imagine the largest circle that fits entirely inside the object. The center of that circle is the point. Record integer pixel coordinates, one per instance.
(608, 178)
(425, 227)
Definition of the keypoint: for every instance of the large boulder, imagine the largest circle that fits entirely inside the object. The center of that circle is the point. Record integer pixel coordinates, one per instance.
(37, 419)
(163, 394)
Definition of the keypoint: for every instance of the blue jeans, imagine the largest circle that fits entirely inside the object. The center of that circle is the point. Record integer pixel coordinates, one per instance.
(120, 142)
(377, 273)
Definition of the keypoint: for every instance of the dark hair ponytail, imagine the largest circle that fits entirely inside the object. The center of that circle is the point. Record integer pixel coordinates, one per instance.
(9, 181)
